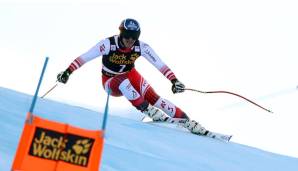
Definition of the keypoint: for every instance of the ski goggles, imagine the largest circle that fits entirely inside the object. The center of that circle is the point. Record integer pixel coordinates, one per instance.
(127, 34)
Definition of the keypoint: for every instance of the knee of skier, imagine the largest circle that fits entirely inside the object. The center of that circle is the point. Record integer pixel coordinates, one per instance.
(128, 90)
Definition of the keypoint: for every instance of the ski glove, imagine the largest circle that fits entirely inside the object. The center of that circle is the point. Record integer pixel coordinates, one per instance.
(63, 76)
(177, 86)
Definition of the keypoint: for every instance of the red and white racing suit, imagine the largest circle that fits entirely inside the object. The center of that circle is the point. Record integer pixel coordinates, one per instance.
(120, 76)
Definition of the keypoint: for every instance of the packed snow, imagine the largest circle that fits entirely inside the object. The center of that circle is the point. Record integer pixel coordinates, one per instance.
(132, 145)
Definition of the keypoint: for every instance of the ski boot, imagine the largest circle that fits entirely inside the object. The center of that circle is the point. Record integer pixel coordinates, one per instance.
(155, 114)
(195, 128)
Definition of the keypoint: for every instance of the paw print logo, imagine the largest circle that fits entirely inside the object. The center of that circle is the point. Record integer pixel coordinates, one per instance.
(133, 58)
(82, 146)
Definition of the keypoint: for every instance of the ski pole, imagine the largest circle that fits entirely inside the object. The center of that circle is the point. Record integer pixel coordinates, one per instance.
(30, 119)
(50, 90)
(227, 92)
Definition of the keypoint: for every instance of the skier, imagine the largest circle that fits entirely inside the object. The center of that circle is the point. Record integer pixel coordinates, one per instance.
(119, 53)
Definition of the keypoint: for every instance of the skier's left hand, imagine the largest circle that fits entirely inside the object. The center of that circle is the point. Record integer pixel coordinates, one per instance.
(63, 76)
(177, 86)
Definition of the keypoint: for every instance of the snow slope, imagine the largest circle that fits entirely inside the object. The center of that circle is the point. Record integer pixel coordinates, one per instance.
(135, 146)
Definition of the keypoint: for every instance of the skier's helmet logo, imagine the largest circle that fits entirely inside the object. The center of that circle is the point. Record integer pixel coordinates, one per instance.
(130, 28)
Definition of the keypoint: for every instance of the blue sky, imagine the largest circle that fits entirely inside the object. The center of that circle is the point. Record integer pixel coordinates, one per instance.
(248, 47)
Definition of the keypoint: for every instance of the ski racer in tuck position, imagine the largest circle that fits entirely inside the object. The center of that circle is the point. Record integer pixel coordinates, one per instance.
(119, 53)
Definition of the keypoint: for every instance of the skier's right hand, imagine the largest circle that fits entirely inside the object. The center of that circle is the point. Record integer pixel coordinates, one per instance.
(63, 76)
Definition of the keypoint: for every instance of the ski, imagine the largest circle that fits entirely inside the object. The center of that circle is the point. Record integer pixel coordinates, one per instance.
(219, 136)
(179, 122)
